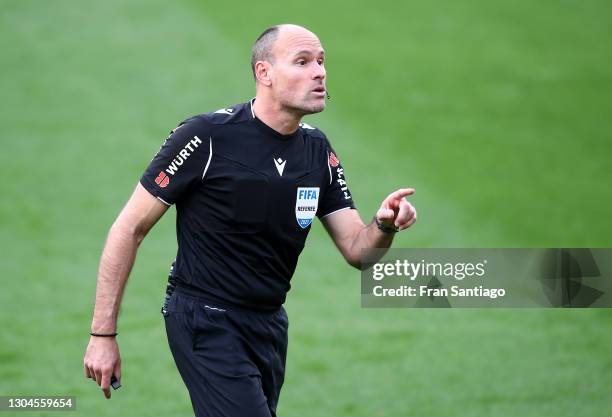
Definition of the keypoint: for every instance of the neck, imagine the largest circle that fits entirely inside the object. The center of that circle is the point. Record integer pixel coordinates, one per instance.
(276, 116)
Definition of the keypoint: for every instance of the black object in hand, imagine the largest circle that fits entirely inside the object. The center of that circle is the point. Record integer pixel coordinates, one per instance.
(115, 382)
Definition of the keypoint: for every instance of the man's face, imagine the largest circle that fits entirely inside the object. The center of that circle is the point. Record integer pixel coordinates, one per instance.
(298, 72)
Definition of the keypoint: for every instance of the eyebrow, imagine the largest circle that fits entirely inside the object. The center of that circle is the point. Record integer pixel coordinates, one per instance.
(309, 52)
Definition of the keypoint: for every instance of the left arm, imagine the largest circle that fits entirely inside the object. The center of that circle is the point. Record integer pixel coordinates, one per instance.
(351, 235)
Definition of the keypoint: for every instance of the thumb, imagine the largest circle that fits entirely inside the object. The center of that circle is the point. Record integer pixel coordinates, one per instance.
(385, 214)
(117, 371)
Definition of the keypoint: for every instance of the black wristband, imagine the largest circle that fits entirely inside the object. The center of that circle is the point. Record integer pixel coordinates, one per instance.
(103, 334)
(383, 228)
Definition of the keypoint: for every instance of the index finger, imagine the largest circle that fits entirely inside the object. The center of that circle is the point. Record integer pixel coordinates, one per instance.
(401, 193)
(105, 385)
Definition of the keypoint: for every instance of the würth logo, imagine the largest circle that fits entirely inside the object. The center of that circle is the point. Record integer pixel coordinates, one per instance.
(183, 154)
(162, 179)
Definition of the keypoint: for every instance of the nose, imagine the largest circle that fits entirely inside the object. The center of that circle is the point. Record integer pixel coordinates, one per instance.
(319, 72)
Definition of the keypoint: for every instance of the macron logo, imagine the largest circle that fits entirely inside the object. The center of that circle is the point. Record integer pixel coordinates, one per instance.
(280, 165)
(225, 111)
(182, 156)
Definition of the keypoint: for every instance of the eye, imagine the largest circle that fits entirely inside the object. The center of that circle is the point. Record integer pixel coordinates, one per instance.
(301, 62)
(320, 61)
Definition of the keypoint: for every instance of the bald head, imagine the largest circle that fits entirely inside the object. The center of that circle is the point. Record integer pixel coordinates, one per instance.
(263, 48)
(288, 66)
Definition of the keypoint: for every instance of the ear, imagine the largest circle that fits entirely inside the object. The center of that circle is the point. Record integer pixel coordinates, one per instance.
(263, 72)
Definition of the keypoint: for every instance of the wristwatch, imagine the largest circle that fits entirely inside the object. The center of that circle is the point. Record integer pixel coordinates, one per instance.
(385, 229)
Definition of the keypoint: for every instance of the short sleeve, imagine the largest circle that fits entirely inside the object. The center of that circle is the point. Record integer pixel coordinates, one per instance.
(181, 161)
(336, 195)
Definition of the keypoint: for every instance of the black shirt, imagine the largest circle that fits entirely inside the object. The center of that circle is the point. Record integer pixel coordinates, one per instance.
(245, 197)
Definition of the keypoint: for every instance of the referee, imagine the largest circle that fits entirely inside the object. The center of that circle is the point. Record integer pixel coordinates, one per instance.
(247, 181)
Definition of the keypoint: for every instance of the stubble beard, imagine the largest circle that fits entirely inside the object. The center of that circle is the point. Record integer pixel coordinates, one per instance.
(304, 107)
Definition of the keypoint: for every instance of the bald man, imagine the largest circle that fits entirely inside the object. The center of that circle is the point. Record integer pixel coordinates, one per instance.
(247, 182)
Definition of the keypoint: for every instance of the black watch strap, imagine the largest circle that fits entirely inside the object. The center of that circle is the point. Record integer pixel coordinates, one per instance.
(383, 228)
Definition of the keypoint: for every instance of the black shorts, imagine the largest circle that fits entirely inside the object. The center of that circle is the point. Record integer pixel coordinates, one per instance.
(231, 360)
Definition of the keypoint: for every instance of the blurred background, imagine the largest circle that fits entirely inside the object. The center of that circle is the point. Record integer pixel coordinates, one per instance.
(494, 111)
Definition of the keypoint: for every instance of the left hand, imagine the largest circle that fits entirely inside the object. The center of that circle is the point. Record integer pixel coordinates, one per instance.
(395, 211)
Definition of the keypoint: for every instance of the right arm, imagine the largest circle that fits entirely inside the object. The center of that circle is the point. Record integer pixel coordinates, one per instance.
(164, 181)
(139, 215)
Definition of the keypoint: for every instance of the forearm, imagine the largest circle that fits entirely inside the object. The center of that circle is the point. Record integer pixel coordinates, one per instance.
(115, 265)
(367, 237)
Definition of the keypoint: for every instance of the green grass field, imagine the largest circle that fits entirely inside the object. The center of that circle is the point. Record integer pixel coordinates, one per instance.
(494, 111)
